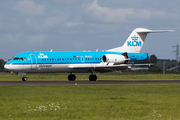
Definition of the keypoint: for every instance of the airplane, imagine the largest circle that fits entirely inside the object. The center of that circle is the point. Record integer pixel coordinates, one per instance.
(115, 59)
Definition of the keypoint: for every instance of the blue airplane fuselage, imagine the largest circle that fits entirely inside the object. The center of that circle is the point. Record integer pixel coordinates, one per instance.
(91, 57)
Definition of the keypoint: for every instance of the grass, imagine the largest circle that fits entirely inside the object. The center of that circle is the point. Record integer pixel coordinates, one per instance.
(98, 102)
(81, 76)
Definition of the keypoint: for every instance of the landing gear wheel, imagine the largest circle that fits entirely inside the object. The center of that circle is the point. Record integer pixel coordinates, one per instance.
(24, 78)
(92, 77)
(71, 77)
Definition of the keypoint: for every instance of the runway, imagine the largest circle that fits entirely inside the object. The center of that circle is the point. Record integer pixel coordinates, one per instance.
(100, 82)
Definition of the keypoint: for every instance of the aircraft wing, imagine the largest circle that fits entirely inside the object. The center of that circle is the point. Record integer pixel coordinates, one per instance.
(98, 66)
(105, 65)
(102, 67)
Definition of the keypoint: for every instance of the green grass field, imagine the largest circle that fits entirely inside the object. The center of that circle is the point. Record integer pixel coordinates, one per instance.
(95, 102)
(81, 76)
(90, 102)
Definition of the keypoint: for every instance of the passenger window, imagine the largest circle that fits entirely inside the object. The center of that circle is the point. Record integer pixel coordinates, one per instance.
(42, 59)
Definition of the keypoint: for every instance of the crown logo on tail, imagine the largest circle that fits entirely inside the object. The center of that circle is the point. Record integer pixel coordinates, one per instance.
(134, 37)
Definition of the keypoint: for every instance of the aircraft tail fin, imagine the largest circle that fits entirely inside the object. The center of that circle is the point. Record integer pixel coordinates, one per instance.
(136, 40)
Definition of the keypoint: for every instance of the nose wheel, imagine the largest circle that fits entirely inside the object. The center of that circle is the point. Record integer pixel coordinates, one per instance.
(24, 78)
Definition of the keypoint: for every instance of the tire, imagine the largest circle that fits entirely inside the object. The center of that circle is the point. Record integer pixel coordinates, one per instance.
(71, 77)
(92, 77)
(24, 78)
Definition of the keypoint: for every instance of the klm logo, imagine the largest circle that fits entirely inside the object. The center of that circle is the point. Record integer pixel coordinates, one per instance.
(134, 41)
(41, 55)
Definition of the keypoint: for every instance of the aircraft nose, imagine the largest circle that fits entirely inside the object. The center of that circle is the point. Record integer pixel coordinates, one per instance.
(7, 66)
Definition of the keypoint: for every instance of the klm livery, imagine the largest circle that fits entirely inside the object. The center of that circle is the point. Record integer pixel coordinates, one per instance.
(82, 62)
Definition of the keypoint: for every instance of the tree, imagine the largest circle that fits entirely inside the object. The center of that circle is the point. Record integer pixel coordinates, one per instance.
(153, 59)
(155, 69)
(2, 62)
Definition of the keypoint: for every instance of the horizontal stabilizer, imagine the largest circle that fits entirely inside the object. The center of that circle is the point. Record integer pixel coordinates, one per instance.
(155, 31)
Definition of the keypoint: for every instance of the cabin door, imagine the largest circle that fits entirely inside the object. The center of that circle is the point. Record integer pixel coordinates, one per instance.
(33, 62)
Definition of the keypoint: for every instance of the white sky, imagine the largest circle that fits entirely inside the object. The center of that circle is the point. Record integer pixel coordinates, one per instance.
(77, 25)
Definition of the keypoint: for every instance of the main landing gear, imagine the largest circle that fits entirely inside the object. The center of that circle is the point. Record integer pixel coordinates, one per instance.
(72, 77)
(92, 77)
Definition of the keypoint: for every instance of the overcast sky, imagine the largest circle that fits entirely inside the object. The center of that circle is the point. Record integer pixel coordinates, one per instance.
(77, 25)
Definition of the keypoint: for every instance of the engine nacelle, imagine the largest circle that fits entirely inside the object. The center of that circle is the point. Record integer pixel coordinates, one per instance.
(116, 59)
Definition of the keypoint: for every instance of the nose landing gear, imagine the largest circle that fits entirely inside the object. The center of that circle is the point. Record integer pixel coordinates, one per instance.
(24, 78)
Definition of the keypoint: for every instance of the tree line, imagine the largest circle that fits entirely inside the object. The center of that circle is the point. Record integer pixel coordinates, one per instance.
(2, 63)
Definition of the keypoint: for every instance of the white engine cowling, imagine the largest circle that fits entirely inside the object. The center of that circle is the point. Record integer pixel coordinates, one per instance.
(116, 59)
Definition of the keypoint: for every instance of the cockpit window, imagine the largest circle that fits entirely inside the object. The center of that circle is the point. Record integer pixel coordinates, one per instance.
(21, 58)
(16, 58)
